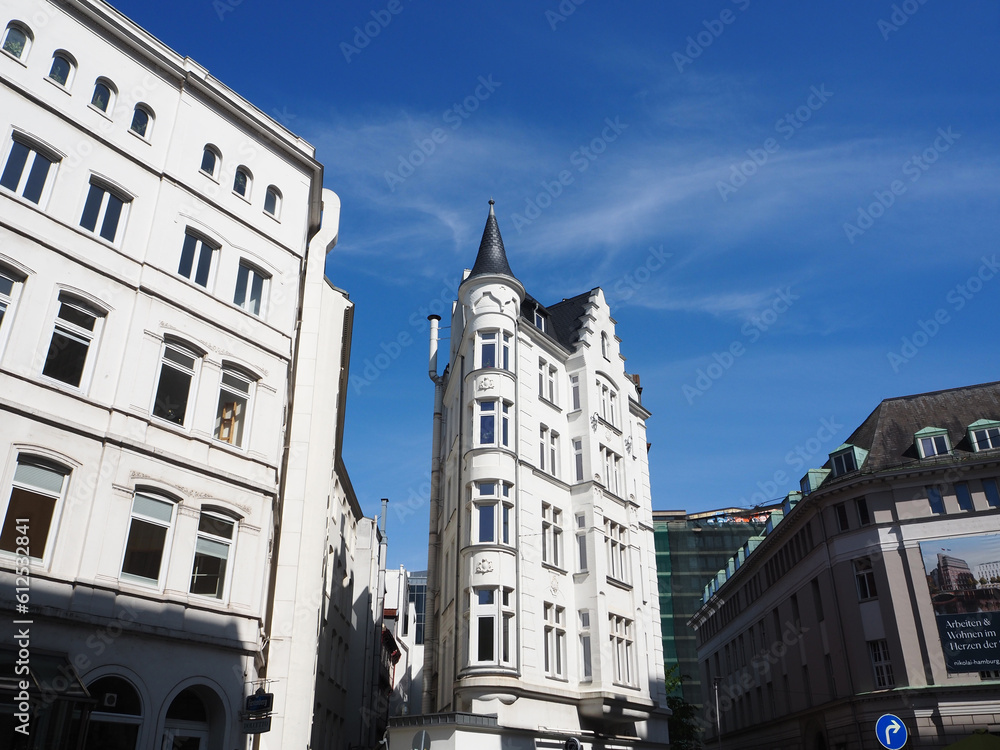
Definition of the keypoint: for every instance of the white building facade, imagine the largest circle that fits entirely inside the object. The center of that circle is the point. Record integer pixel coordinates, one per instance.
(168, 460)
(543, 620)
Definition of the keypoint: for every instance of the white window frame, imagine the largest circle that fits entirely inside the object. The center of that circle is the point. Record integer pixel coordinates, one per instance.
(70, 60)
(554, 453)
(216, 169)
(616, 545)
(234, 390)
(554, 641)
(934, 445)
(988, 434)
(160, 582)
(217, 539)
(605, 346)
(179, 349)
(882, 672)
(112, 96)
(29, 39)
(247, 192)
(485, 339)
(613, 481)
(574, 386)
(864, 579)
(58, 497)
(201, 246)
(840, 465)
(609, 402)
(276, 212)
(10, 292)
(252, 273)
(581, 543)
(622, 640)
(539, 320)
(81, 335)
(99, 228)
(500, 410)
(552, 535)
(147, 132)
(481, 610)
(36, 151)
(578, 459)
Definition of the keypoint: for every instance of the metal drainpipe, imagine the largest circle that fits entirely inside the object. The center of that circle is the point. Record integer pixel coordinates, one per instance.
(428, 702)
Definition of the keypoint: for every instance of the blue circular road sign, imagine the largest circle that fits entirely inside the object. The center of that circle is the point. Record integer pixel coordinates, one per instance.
(890, 731)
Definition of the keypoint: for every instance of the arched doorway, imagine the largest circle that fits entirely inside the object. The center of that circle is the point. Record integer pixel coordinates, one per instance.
(117, 718)
(187, 726)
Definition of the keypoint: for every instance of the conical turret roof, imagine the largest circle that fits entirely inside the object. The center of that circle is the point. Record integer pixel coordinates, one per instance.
(492, 258)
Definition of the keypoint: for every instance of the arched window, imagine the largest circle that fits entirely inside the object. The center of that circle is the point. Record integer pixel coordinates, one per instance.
(605, 349)
(33, 506)
(30, 168)
(211, 160)
(63, 67)
(142, 121)
(242, 182)
(235, 397)
(148, 539)
(17, 40)
(213, 552)
(104, 95)
(76, 327)
(178, 370)
(117, 717)
(272, 201)
(251, 288)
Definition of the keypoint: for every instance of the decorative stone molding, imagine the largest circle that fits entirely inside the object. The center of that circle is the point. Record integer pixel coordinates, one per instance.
(484, 566)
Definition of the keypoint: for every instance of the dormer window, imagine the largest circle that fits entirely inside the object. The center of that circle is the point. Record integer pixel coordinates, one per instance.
(933, 441)
(847, 458)
(539, 321)
(984, 435)
(812, 480)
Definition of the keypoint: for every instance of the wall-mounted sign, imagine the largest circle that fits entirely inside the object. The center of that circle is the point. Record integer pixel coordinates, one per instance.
(963, 576)
(257, 726)
(259, 702)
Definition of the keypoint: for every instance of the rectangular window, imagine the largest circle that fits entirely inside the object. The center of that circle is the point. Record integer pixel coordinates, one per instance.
(554, 647)
(543, 440)
(863, 516)
(578, 459)
(881, 663)
(104, 212)
(177, 370)
(934, 446)
(151, 522)
(842, 523)
(251, 286)
(27, 172)
(76, 326)
(843, 463)
(553, 453)
(33, 507)
(196, 263)
(539, 321)
(612, 471)
(211, 555)
(505, 361)
(621, 648)
(487, 422)
(7, 283)
(234, 401)
(864, 576)
(992, 495)
(581, 543)
(551, 535)
(574, 384)
(935, 500)
(485, 616)
(987, 438)
(488, 349)
(817, 600)
(616, 543)
(964, 496)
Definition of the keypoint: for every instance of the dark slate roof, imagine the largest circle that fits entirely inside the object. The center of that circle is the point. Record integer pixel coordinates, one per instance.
(888, 432)
(492, 258)
(563, 317)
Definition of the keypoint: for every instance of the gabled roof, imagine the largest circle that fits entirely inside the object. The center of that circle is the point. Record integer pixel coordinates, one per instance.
(888, 431)
(564, 318)
(492, 258)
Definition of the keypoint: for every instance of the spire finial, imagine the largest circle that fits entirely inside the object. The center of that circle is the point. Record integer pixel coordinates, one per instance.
(491, 206)
(492, 259)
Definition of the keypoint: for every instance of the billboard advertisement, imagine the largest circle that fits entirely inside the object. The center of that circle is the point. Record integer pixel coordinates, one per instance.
(963, 576)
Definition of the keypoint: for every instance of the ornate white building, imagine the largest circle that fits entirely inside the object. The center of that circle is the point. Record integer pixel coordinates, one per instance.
(543, 622)
(176, 521)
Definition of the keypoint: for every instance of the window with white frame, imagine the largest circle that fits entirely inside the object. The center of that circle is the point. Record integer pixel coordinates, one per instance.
(986, 437)
(142, 121)
(103, 98)
(494, 349)
(242, 182)
(553, 453)
(492, 513)
(10, 286)
(554, 646)
(546, 381)
(552, 535)
(843, 463)
(609, 402)
(76, 327)
(272, 201)
(17, 40)
(574, 387)
(616, 546)
(964, 496)
(492, 626)
(494, 422)
(864, 577)
(613, 481)
(935, 500)
(211, 161)
(148, 539)
(539, 320)
(235, 392)
(62, 69)
(105, 211)
(586, 658)
(622, 640)
(934, 445)
(33, 506)
(29, 170)
(578, 459)
(605, 346)
(178, 367)
(581, 543)
(251, 288)
(881, 663)
(197, 259)
(212, 554)
(992, 493)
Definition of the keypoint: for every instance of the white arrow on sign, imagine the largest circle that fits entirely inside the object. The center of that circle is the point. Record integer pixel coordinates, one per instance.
(892, 728)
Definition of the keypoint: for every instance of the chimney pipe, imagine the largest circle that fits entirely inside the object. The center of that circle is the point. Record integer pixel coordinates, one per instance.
(432, 366)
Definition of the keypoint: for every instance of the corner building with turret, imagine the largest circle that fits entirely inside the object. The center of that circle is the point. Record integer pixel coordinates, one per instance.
(543, 622)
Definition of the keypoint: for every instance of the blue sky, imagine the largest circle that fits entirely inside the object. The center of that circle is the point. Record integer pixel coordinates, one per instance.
(792, 207)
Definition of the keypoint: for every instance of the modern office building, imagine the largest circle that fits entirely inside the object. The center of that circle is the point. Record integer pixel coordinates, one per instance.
(543, 620)
(861, 599)
(177, 526)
